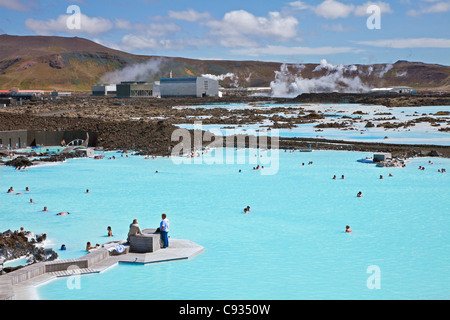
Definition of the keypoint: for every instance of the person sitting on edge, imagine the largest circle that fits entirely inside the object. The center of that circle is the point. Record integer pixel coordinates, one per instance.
(134, 230)
(89, 247)
(347, 229)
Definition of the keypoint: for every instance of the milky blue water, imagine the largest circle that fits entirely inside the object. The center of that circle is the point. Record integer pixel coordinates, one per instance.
(292, 245)
(420, 133)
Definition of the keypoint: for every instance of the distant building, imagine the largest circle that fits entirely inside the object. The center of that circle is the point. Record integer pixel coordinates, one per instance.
(104, 90)
(7, 101)
(58, 94)
(189, 87)
(379, 157)
(247, 91)
(134, 90)
(401, 90)
(17, 139)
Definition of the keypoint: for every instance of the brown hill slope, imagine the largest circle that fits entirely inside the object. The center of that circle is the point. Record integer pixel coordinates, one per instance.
(47, 62)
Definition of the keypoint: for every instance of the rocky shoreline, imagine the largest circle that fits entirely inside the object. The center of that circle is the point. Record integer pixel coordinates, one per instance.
(19, 244)
(146, 125)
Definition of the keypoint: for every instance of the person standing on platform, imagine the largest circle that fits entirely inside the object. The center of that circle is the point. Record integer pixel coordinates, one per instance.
(164, 228)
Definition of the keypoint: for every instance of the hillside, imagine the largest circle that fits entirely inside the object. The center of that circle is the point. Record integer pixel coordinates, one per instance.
(46, 62)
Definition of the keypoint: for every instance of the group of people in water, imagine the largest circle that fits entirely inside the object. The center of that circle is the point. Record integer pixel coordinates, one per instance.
(45, 209)
(11, 190)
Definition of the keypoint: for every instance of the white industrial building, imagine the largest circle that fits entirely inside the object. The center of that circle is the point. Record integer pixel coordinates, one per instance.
(189, 87)
(104, 90)
(393, 90)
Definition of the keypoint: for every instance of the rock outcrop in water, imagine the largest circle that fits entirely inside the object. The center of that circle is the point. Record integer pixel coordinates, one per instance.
(14, 245)
(19, 162)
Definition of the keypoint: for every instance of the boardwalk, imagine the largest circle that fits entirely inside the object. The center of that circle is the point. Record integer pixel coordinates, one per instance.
(22, 284)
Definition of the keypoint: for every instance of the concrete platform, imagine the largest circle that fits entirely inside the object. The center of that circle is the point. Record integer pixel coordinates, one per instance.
(22, 284)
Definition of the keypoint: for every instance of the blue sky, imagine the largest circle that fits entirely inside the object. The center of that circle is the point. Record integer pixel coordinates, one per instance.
(281, 31)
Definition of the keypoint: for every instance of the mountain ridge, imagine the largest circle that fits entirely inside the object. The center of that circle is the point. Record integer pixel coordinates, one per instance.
(75, 64)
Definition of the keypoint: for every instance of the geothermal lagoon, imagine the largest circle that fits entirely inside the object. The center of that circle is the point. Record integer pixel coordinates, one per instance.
(292, 244)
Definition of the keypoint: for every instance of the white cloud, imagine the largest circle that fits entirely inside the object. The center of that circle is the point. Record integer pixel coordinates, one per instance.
(131, 42)
(238, 28)
(409, 43)
(439, 7)
(331, 9)
(89, 25)
(288, 51)
(189, 15)
(17, 5)
(299, 5)
(361, 10)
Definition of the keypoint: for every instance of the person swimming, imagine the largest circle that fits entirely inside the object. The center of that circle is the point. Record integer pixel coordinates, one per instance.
(334, 177)
(63, 213)
(347, 229)
(359, 195)
(89, 247)
(109, 231)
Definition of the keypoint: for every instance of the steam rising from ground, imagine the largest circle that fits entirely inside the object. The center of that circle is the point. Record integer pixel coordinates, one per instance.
(233, 77)
(327, 77)
(136, 72)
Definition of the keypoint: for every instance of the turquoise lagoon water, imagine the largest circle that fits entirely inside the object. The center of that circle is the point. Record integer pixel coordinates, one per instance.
(291, 246)
(419, 134)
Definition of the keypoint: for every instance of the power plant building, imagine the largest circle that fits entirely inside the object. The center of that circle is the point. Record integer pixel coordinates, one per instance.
(189, 87)
(134, 90)
(103, 90)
